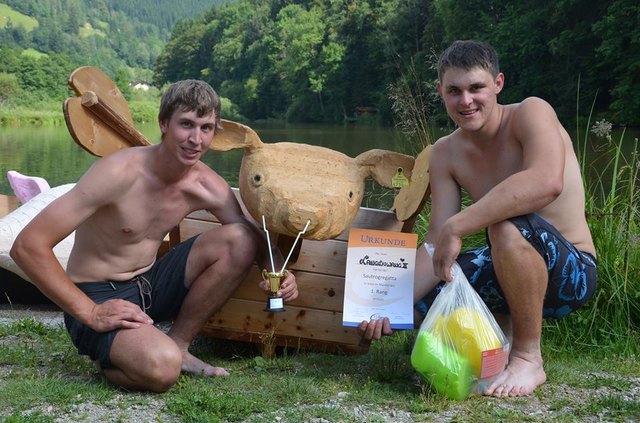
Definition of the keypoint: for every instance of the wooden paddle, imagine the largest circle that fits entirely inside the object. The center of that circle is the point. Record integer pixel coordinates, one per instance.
(99, 119)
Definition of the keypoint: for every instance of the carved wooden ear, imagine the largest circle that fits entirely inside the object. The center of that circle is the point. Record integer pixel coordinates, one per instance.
(412, 197)
(383, 165)
(234, 135)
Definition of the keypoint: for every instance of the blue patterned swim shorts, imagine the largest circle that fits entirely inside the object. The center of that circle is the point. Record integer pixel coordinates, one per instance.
(572, 273)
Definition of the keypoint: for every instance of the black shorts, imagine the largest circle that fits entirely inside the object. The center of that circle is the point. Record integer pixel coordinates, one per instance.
(572, 273)
(159, 291)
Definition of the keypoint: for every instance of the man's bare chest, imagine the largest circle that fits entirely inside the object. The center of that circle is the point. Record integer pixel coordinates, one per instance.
(142, 216)
(477, 172)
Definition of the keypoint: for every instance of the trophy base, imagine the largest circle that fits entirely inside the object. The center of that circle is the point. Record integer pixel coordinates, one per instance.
(274, 304)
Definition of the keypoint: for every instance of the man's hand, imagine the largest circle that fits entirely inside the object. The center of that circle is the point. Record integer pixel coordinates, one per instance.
(117, 314)
(446, 249)
(375, 329)
(288, 287)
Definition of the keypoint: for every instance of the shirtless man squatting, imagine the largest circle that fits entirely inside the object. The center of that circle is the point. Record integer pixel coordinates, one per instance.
(121, 209)
(517, 164)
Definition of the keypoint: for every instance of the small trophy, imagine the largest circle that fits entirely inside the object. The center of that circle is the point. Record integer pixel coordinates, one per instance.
(274, 303)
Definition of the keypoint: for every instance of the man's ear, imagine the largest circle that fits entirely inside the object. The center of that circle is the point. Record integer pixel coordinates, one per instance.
(439, 87)
(499, 82)
(163, 124)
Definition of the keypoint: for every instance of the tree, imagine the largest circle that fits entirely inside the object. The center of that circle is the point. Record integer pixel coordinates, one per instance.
(618, 59)
(9, 87)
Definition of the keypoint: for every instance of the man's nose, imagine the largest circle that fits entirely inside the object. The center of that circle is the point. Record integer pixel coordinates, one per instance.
(196, 135)
(466, 98)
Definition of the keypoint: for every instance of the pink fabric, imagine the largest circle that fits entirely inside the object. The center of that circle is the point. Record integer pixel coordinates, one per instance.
(26, 187)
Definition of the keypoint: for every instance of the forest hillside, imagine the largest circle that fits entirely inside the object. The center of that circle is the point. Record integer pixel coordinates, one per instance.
(328, 60)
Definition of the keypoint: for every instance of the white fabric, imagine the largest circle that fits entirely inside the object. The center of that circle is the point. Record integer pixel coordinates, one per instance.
(12, 224)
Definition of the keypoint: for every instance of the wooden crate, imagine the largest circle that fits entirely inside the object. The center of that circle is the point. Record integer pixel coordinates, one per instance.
(314, 320)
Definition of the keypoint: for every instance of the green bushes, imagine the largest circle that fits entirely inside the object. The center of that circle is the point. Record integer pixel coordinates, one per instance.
(612, 317)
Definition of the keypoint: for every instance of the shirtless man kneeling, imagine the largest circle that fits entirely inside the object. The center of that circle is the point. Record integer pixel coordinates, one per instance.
(121, 209)
(518, 165)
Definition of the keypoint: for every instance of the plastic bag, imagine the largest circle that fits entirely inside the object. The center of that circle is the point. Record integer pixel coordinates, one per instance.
(460, 347)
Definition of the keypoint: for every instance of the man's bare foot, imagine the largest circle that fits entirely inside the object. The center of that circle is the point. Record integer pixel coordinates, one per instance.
(520, 378)
(192, 364)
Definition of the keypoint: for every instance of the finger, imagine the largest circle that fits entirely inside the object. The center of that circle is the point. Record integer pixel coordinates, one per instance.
(125, 324)
(289, 295)
(289, 291)
(362, 328)
(126, 310)
(264, 285)
(375, 328)
(386, 327)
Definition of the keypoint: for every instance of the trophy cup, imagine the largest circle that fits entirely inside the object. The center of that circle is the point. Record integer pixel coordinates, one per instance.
(274, 303)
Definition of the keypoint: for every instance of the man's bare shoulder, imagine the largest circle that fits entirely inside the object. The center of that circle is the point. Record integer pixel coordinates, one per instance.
(531, 108)
(113, 173)
(121, 163)
(209, 179)
(446, 146)
(211, 191)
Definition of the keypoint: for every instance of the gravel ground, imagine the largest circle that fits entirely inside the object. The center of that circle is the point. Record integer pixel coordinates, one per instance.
(555, 403)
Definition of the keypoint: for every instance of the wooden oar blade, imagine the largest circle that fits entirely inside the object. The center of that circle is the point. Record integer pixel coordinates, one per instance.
(91, 78)
(89, 132)
(99, 119)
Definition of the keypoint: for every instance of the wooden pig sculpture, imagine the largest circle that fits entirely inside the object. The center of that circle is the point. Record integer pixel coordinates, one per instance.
(297, 186)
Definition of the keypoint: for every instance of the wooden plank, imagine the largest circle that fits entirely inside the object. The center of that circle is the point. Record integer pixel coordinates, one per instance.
(297, 322)
(314, 319)
(317, 291)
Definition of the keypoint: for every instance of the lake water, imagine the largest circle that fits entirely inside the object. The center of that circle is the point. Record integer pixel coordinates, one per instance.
(51, 153)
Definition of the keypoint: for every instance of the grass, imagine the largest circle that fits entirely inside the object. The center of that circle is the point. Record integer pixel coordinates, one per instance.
(591, 356)
(143, 108)
(48, 113)
(43, 379)
(612, 317)
(7, 14)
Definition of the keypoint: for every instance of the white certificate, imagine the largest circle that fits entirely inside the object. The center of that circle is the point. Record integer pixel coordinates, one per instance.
(379, 277)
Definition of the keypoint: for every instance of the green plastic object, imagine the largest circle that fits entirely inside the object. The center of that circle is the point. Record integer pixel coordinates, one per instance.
(449, 373)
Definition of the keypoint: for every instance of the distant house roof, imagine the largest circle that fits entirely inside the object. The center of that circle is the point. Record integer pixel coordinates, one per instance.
(140, 85)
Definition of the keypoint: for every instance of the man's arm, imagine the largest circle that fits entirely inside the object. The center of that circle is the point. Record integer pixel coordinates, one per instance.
(228, 210)
(33, 252)
(445, 202)
(536, 128)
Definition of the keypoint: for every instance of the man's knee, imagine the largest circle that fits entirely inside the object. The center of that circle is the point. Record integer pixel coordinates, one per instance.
(163, 369)
(505, 237)
(156, 366)
(234, 241)
(241, 242)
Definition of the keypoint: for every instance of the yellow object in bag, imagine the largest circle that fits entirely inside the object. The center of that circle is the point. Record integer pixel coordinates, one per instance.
(471, 334)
